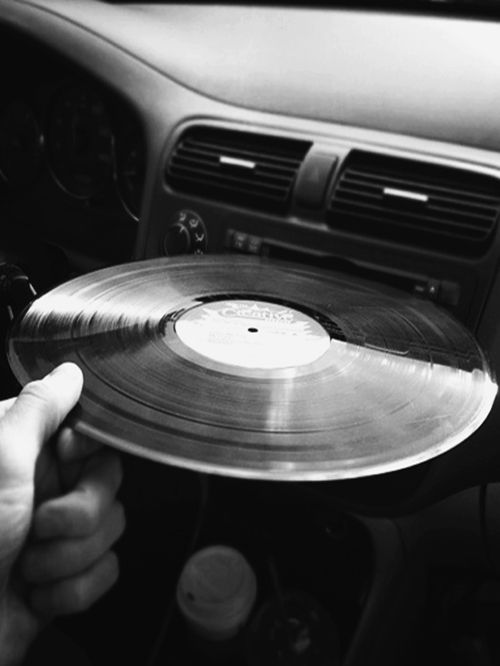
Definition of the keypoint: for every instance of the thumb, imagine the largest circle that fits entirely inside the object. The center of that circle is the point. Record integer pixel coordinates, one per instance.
(33, 418)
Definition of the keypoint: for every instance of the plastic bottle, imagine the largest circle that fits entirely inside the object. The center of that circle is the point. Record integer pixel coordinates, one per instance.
(216, 593)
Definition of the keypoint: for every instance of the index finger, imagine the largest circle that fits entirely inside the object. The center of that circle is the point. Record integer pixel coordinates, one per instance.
(73, 446)
(80, 511)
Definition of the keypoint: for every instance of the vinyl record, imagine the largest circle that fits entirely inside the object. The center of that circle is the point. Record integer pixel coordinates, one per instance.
(250, 368)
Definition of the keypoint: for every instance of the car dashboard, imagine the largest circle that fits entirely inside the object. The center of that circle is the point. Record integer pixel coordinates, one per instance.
(364, 141)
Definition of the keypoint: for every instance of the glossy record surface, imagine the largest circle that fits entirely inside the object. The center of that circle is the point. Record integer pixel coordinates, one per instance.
(399, 382)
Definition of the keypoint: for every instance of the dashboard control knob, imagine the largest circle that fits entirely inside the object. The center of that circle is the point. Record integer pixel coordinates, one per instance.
(186, 234)
(177, 240)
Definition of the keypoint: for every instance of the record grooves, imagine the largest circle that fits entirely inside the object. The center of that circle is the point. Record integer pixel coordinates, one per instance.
(258, 369)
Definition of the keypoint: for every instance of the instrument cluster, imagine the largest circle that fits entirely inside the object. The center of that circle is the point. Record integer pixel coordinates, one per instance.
(81, 138)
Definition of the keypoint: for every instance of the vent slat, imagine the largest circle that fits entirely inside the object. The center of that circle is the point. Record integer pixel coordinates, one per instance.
(262, 173)
(380, 180)
(205, 162)
(285, 165)
(414, 221)
(199, 175)
(246, 153)
(429, 205)
(438, 194)
(214, 158)
(482, 215)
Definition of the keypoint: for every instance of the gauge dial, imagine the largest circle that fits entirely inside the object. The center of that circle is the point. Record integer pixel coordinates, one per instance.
(130, 169)
(21, 144)
(80, 143)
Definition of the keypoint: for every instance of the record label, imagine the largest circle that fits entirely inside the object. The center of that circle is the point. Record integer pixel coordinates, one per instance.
(253, 334)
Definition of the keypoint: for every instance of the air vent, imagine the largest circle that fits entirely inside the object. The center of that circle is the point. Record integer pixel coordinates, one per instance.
(247, 169)
(416, 203)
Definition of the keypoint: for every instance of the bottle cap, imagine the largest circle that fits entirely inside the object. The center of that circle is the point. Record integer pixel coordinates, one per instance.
(216, 592)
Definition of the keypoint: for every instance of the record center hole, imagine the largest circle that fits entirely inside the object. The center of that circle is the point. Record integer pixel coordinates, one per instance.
(253, 330)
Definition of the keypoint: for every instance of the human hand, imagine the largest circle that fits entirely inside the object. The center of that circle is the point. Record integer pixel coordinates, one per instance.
(58, 512)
